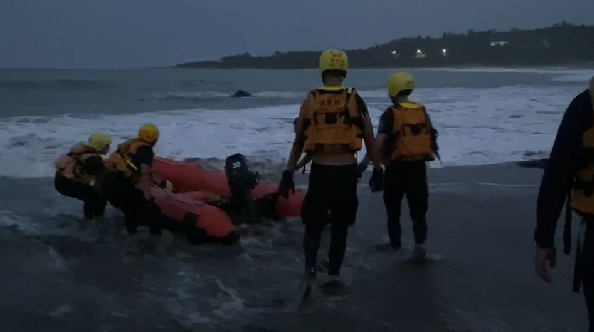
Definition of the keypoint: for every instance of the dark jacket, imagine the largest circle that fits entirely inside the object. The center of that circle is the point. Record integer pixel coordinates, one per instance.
(561, 169)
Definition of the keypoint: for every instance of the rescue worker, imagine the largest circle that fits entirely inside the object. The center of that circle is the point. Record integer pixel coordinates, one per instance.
(76, 173)
(332, 122)
(407, 140)
(128, 183)
(570, 173)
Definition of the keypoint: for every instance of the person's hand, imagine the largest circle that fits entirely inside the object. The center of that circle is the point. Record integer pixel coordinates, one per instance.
(545, 260)
(376, 182)
(167, 185)
(287, 184)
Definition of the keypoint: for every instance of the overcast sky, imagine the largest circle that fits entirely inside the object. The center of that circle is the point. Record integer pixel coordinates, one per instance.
(137, 33)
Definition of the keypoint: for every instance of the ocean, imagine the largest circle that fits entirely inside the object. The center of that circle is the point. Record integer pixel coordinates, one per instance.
(65, 276)
(483, 115)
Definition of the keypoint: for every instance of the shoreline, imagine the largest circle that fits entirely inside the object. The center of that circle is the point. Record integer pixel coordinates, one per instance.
(562, 66)
(575, 66)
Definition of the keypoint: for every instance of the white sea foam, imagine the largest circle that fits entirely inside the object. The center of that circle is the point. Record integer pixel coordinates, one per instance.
(198, 95)
(476, 126)
(562, 74)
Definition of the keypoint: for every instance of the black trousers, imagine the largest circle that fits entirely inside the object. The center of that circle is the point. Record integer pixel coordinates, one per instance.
(332, 188)
(123, 195)
(94, 202)
(586, 270)
(406, 178)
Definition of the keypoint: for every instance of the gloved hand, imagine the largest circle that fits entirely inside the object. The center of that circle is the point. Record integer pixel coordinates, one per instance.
(166, 185)
(376, 182)
(287, 184)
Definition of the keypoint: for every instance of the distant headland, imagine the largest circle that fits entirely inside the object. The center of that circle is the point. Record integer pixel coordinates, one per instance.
(561, 44)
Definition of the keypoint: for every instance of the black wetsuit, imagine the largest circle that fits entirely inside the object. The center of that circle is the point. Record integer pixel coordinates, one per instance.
(404, 178)
(94, 202)
(124, 195)
(332, 188)
(564, 162)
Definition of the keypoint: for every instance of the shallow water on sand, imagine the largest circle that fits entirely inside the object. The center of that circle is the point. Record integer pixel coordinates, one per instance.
(56, 273)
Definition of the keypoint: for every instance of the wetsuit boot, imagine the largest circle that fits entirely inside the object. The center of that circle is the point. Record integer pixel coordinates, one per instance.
(88, 210)
(155, 230)
(131, 225)
(394, 233)
(99, 211)
(419, 256)
(153, 216)
(306, 287)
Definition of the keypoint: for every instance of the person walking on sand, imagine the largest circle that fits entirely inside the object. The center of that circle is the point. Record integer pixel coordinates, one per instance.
(569, 174)
(332, 122)
(407, 141)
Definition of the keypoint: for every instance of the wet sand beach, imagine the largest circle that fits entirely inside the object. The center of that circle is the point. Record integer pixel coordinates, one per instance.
(480, 276)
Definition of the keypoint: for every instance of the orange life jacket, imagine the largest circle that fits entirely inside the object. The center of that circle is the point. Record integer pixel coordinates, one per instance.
(333, 123)
(414, 137)
(71, 165)
(582, 196)
(122, 159)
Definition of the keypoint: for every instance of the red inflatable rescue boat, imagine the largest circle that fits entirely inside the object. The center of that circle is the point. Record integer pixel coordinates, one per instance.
(192, 177)
(187, 213)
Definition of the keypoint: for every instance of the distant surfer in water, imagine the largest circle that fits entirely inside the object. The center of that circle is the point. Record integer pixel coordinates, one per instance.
(241, 94)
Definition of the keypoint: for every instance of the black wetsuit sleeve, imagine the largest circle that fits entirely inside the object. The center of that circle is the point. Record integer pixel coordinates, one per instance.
(560, 171)
(386, 123)
(94, 165)
(144, 156)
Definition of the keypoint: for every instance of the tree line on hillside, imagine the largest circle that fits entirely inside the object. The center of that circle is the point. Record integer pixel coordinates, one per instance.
(562, 43)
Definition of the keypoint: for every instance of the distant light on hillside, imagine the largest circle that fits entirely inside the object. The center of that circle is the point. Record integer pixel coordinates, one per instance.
(499, 43)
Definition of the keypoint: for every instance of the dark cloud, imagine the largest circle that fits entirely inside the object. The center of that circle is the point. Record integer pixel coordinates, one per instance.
(136, 33)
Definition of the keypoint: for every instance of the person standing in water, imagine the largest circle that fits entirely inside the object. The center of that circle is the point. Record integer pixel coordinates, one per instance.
(569, 174)
(128, 181)
(77, 172)
(408, 140)
(333, 120)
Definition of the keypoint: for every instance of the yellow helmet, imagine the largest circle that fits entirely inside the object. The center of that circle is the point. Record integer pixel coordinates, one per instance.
(99, 141)
(148, 133)
(399, 82)
(333, 60)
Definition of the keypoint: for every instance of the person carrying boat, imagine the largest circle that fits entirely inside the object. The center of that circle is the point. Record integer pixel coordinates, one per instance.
(76, 174)
(332, 122)
(569, 173)
(407, 140)
(128, 183)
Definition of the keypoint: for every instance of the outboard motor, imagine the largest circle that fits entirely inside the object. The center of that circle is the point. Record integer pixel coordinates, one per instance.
(241, 180)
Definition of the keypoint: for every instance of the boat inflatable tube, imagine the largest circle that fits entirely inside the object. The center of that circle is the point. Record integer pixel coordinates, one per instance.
(186, 213)
(193, 177)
